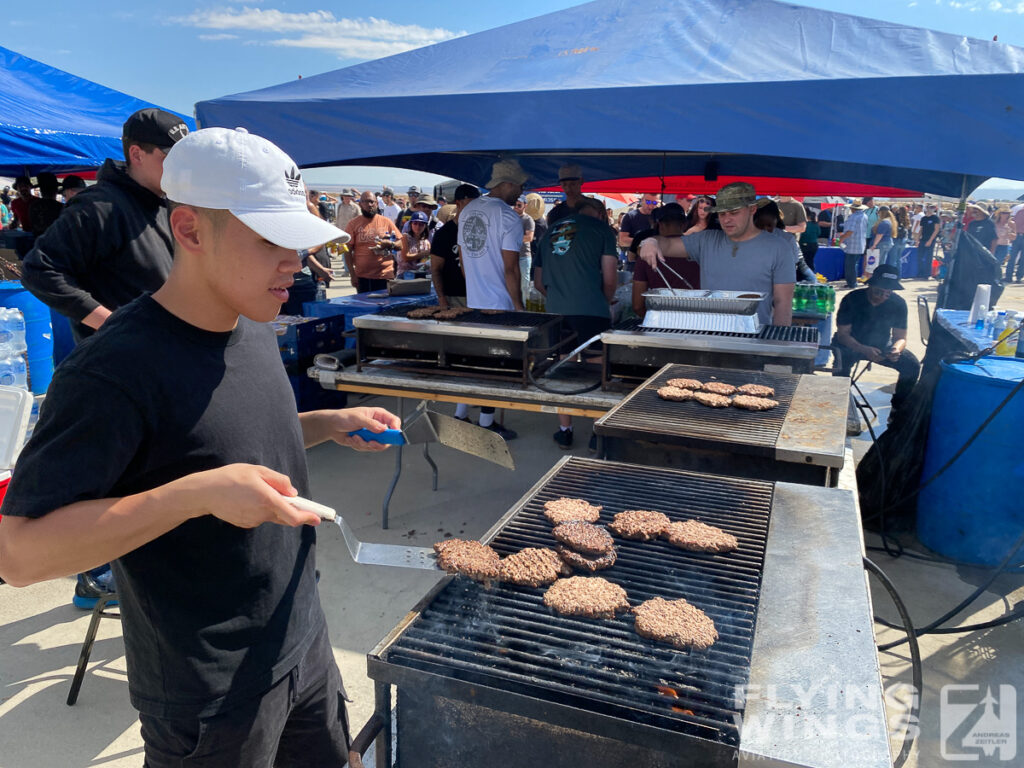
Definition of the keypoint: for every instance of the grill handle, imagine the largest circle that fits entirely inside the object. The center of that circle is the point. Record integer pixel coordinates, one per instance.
(364, 739)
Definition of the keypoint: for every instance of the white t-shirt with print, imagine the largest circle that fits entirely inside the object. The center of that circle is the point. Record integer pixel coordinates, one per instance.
(487, 226)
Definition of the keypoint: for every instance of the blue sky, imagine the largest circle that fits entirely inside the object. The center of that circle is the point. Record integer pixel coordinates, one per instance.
(176, 54)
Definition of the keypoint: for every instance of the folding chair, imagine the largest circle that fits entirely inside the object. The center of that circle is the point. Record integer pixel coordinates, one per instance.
(858, 370)
(98, 612)
(924, 317)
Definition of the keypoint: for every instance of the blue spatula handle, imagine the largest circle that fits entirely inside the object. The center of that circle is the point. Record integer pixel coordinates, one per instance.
(387, 437)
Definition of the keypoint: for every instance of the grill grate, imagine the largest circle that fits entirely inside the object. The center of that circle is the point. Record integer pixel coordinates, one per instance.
(794, 333)
(509, 319)
(507, 639)
(644, 415)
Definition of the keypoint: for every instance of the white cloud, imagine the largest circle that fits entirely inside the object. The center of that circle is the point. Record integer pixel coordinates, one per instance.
(996, 6)
(348, 38)
(218, 36)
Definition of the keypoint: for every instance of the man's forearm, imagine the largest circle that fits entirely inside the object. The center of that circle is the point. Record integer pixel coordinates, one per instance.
(512, 284)
(84, 535)
(625, 239)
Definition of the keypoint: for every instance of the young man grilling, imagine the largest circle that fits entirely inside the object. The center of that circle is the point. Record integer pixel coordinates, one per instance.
(174, 434)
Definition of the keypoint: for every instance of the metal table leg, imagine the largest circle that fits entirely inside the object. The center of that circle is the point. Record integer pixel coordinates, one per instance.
(430, 461)
(394, 478)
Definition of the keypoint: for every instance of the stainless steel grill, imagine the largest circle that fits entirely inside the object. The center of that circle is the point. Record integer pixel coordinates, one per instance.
(802, 440)
(503, 649)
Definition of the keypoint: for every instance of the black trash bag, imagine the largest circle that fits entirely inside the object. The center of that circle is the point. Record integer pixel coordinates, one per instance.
(973, 265)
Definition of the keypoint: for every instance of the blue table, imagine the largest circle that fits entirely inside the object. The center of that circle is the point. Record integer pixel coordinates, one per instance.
(828, 261)
(955, 321)
(360, 304)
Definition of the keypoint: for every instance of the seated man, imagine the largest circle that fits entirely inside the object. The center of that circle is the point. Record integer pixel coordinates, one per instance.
(872, 325)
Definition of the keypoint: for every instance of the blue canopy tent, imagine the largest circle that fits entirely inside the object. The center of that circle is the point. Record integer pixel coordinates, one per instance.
(663, 88)
(51, 120)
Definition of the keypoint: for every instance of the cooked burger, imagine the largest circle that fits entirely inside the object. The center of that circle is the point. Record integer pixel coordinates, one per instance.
(639, 524)
(685, 384)
(565, 510)
(711, 400)
(757, 390)
(583, 537)
(719, 388)
(470, 558)
(423, 313)
(589, 596)
(533, 567)
(751, 403)
(698, 537)
(675, 622)
(675, 394)
(588, 563)
(493, 311)
(447, 314)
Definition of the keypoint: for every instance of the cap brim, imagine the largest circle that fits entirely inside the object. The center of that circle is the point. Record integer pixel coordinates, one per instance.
(727, 208)
(292, 229)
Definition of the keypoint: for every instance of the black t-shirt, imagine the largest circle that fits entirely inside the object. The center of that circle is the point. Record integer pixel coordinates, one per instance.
(928, 225)
(446, 245)
(212, 614)
(872, 326)
(984, 230)
(558, 213)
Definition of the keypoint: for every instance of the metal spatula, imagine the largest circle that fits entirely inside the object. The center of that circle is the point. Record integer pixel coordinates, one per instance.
(364, 553)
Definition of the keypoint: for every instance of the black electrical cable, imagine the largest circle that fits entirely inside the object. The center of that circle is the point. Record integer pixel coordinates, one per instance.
(915, 662)
(542, 388)
(1006, 618)
(927, 629)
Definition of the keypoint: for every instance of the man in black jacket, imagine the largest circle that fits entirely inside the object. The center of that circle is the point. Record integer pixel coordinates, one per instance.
(113, 242)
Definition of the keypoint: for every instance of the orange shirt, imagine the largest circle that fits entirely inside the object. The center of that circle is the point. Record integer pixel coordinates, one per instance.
(364, 233)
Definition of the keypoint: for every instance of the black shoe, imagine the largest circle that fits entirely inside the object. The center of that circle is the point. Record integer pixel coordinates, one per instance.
(506, 434)
(461, 418)
(564, 439)
(592, 443)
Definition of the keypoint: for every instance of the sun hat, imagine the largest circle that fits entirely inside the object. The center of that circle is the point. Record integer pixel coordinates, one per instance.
(507, 171)
(348, 192)
(858, 207)
(155, 126)
(570, 172)
(427, 200)
(250, 177)
(886, 277)
(732, 197)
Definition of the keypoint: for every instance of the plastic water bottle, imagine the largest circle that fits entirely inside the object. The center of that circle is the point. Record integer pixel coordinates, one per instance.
(979, 324)
(6, 335)
(999, 325)
(321, 291)
(16, 322)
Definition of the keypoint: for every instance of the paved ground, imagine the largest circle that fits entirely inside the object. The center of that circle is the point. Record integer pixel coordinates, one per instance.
(41, 633)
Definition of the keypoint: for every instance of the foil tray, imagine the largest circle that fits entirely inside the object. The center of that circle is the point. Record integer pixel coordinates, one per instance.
(701, 321)
(727, 302)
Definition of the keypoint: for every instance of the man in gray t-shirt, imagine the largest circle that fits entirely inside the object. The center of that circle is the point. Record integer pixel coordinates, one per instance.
(739, 257)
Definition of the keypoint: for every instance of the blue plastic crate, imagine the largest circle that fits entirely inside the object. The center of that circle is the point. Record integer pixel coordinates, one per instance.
(301, 340)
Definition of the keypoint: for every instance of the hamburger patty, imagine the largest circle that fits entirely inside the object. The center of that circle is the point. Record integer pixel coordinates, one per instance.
(751, 403)
(675, 394)
(698, 537)
(564, 510)
(422, 313)
(711, 400)
(583, 537)
(447, 314)
(757, 390)
(589, 596)
(685, 383)
(639, 524)
(719, 388)
(470, 558)
(493, 311)
(675, 622)
(588, 563)
(533, 567)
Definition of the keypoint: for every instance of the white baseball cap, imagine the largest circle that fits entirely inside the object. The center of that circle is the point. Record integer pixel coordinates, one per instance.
(250, 177)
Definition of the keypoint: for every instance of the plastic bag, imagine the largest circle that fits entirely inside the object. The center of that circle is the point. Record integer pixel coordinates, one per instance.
(871, 258)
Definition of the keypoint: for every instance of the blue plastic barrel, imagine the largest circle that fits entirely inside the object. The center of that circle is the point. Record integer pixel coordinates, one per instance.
(38, 333)
(974, 512)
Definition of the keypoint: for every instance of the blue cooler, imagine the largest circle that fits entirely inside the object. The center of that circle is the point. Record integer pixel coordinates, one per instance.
(38, 333)
(973, 512)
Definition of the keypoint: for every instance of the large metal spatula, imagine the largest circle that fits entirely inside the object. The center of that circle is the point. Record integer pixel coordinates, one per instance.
(364, 553)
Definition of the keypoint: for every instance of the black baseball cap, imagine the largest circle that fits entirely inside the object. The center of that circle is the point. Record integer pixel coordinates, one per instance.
(72, 181)
(669, 211)
(465, 192)
(155, 126)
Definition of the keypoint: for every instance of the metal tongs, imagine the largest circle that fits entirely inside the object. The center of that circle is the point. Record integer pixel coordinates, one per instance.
(662, 276)
(364, 553)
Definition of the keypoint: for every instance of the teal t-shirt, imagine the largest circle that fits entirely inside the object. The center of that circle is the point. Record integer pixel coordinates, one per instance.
(570, 257)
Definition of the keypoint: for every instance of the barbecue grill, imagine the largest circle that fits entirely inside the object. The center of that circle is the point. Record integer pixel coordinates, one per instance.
(491, 677)
(633, 352)
(802, 440)
(478, 343)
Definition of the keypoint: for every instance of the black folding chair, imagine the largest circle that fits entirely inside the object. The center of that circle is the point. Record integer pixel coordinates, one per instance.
(100, 611)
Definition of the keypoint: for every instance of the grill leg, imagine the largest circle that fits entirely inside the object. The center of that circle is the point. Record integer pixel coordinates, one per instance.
(430, 461)
(382, 696)
(394, 479)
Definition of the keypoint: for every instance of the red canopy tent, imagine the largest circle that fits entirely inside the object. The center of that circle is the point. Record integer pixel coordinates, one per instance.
(698, 185)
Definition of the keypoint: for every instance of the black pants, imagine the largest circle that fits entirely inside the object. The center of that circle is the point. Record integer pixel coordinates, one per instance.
(367, 284)
(907, 366)
(809, 250)
(925, 254)
(850, 268)
(300, 721)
